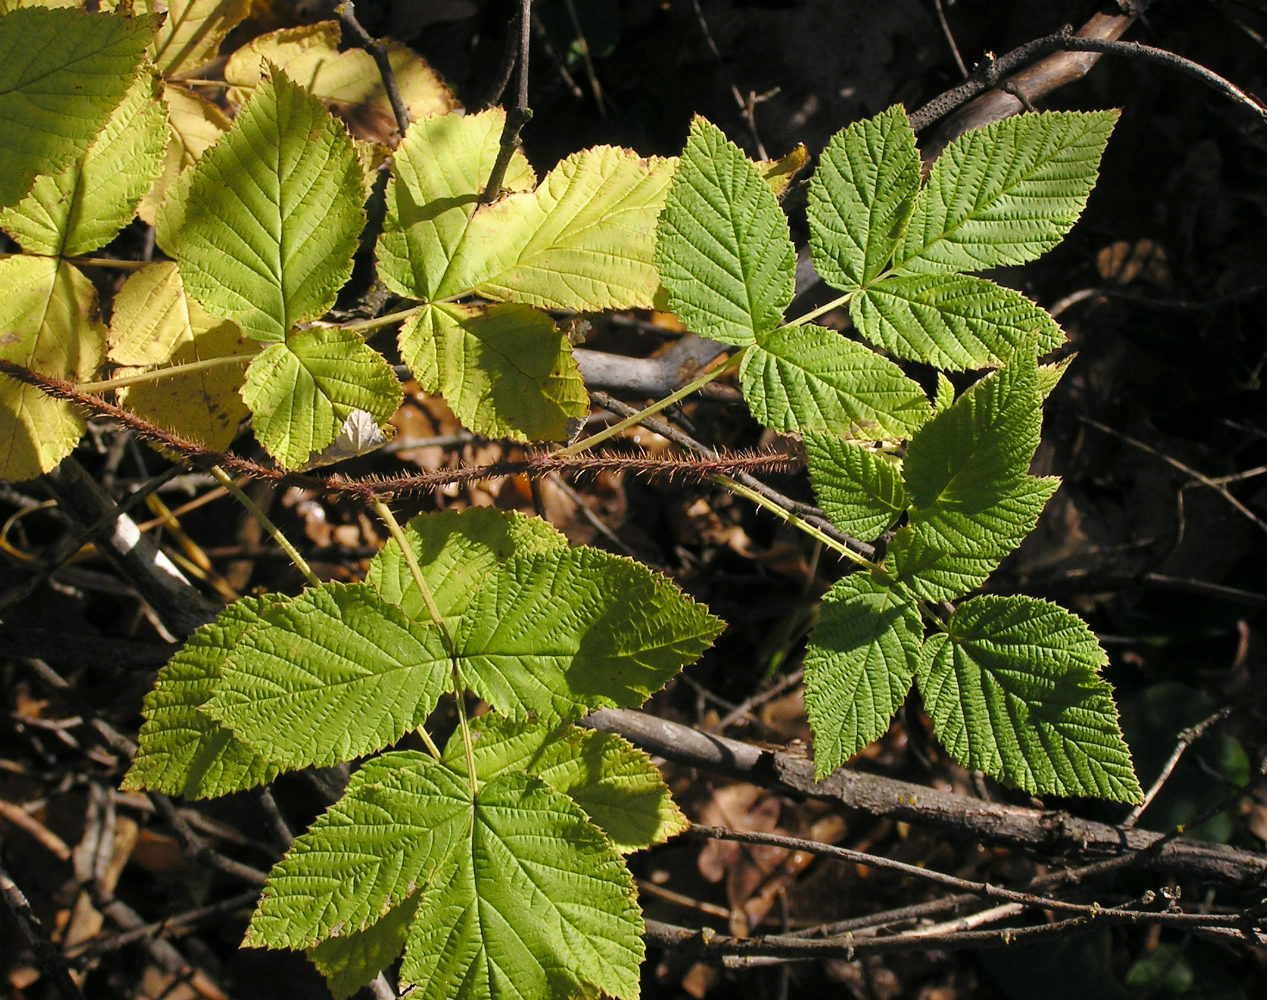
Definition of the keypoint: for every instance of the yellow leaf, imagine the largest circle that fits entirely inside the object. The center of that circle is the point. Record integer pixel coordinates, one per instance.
(193, 31)
(156, 323)
(584, 239)
(48, 323)
(349, 82)
(193, 125)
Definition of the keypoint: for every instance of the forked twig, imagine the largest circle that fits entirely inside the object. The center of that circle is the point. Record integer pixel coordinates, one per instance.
(517, 117)
(378, 52)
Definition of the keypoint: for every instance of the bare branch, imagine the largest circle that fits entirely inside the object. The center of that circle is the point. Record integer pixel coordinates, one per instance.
(1053, 832)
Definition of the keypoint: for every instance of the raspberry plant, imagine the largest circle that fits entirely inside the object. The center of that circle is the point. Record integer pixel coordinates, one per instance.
(496, 863)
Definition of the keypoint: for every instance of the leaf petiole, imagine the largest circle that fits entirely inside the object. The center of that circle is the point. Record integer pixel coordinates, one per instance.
(156, 374)
(822, 310)
(378, 322)
(433, 611)
(797, 522)
(620, 426)
(266, 523)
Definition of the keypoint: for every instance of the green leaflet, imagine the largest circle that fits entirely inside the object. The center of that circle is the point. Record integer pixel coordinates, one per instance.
(809, 378)
(861, 197)
(953, 321)
(49, 323)
(982, 443)
(619, 788)
(302, 390)
(85, 205)
(536, 905)
(723, 250)
(1013, 689)
(583, 240)
(62, 72)
(505, 370)
(512, 893)
(1005, 194)
(344, 670)
(862, 655)
(860, 490)
(183, 751)
(562, 631)
(269, 219)
(455, 551)
(438, 172)
(352, 960)
(942, 554)
(329, 676)
(400, 820)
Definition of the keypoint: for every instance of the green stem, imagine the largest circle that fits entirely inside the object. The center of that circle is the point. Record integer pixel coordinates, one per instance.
(378, 322)
(468, 744)
(815, 313)
(411, 560)
(428, 742)
(793, 519)
(157, 374)
(123, 265)
(622, 425)
(274, 532)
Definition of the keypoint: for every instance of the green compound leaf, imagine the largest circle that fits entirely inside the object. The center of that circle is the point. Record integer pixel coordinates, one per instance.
(456, 552)
(722, 248)
(1013, 689)
(62, 72)
(942, 554)
(861, 197)
(84, 207)
(397, 824)
(537, 905)
(1007, 193)
(439, 170)
(331, 675)
(559, 632)
(505, 370)
(181, 750)
(862, 655)
(584, 239)
(953, 321)
(810, 378)
(272, 214)
(968, 454)
(859, 490)
(619, 788)
(49, 323)
(301, 391)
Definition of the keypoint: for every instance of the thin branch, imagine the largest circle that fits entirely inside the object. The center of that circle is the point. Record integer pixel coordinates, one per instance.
(745, 107)
(369, 489)
(950, 38)
(1042, 76)
(517, 117)
(1049, 831)
(47, 956)
(1186, 739)
(1200, 477)
(378, 52)
(985, 889)
(805, 512)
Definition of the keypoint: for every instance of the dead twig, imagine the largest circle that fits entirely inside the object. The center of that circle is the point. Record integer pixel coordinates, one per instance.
(378, 52)
(517, 117)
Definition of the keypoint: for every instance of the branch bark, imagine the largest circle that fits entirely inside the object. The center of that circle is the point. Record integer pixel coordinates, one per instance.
(1052, 832)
